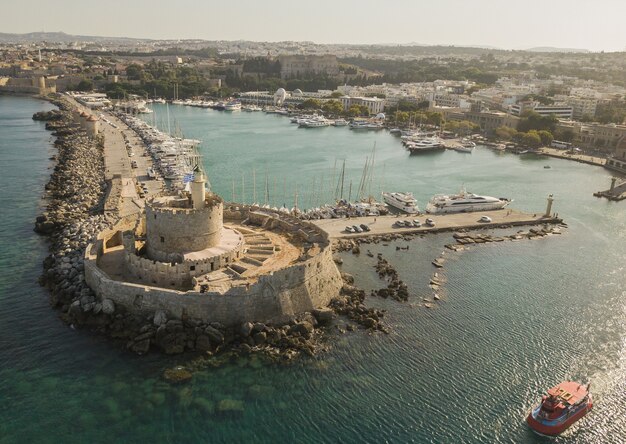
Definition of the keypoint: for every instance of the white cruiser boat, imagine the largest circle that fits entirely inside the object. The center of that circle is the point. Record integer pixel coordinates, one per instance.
(402, 201)
(232, 106)
(464, 202)
(316, 122)
(425, 145)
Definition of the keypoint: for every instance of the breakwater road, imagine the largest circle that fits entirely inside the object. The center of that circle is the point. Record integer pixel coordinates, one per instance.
(122, 147)
(444, 222)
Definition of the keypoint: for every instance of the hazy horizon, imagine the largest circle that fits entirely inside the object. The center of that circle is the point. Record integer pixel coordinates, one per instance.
(483, 23)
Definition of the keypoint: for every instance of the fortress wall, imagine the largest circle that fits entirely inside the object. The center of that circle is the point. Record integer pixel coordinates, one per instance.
(175, 230)
(274, 297)
(165, 274)
(278, 221)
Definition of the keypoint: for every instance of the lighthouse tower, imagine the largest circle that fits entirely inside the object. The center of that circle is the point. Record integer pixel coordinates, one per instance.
(198, 192)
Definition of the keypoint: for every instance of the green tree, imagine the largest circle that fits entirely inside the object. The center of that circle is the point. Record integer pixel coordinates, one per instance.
(310, 104)
(333, 107)
(505, 133)
(565, 135)
(401, 117)
(452, 126)
(435, 118)
(355, 111)
(546, 137)
(134, 71)
(531, 139)
(84, 85)
(533, 121)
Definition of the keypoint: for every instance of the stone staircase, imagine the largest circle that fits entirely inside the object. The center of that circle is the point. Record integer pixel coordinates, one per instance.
(259, 248)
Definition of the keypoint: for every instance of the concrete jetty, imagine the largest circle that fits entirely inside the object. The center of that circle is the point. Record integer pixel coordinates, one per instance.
(615, 192)
(582, 158)
(443, 222)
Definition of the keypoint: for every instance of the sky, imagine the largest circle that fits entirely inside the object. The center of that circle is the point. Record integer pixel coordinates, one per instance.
(586, 24)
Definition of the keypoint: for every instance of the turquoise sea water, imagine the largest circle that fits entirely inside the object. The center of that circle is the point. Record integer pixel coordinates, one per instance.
(515, 317)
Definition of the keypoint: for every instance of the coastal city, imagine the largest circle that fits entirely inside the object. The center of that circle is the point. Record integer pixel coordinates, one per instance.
(218, 239)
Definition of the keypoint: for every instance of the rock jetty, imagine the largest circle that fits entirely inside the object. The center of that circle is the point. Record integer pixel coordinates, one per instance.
(73, 216)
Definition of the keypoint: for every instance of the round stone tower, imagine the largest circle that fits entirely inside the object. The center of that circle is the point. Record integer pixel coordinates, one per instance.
(179, 225)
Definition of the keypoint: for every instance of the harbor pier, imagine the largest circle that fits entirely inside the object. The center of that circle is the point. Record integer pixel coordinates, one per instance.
(442, 223)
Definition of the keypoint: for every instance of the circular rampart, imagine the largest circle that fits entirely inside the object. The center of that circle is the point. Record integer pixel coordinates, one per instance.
(174, 230)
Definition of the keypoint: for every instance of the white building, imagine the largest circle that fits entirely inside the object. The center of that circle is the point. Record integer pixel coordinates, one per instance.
(451, 100)
(374, 104)
(561, 111)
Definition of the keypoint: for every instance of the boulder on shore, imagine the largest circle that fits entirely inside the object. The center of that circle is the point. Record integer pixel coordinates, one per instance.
(108, 307)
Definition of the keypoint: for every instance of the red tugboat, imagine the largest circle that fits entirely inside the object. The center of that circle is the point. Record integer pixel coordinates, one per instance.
(564, 404)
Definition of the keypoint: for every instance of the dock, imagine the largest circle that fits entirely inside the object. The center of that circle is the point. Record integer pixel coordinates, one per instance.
(617, 191)
(582, 158)
(381, 225)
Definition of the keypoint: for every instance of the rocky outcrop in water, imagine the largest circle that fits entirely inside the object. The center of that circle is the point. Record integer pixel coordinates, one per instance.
(396, 289)
(350, 303)
(48, 116)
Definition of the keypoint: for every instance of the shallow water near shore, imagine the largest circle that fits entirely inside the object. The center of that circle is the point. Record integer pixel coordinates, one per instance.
(515, 317)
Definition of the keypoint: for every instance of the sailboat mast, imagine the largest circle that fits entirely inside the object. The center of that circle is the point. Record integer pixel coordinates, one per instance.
(253, 186)
(267, 190)
(295, 205)
(343, 176)
(369, 192)
(169, 129)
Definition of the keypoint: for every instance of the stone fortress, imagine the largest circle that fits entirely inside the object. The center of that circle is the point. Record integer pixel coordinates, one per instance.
(190, 257)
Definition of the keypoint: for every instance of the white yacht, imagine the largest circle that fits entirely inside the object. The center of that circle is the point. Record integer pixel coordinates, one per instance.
(467, 146)
(340, 122)
(232, 106)
(424, 145)
(463, 149)
(358, 125)
(464, 202)
(316, 122)
(402, 201)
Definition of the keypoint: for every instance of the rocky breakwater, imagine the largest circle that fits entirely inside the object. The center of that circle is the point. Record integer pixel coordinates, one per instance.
(73, 213)
(396, 289)
(464, 239)
(301, 335)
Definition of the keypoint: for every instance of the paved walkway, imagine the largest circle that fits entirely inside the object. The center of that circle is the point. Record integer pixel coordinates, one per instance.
(561, 154)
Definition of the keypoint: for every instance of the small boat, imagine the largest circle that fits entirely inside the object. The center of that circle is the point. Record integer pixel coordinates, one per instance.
(547, 167)
(560, 408)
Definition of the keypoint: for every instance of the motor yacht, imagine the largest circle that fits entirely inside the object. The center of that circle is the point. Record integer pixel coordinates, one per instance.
(402, 201)
(232, 106)
(464, 202)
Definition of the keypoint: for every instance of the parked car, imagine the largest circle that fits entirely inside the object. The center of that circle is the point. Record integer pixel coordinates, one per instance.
(430, 222)
(357, 229)
(485, 219)
(349, 229)
(399, 224)
(416, 223)
(365, 227)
